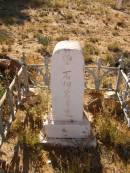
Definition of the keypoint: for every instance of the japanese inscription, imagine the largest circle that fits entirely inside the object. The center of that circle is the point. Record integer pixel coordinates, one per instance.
(67, 83)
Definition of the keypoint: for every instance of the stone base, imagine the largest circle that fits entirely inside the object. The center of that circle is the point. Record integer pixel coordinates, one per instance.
(68, 133)
(65, 142)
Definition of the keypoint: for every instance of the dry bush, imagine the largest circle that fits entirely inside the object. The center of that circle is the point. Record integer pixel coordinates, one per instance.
(89, 51)
(6, 37)
(29, 122)
(114, 47)
(109, 132)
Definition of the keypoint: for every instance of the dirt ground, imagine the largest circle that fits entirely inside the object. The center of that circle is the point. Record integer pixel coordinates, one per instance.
(27, 156)
(36, 30)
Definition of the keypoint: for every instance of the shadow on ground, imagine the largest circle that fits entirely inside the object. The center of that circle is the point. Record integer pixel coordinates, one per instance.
(13, 11)
(123, 151)
(75, 160)
(14, 166)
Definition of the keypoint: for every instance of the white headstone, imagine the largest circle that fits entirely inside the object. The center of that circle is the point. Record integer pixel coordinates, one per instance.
(67, 81)
(67, 120)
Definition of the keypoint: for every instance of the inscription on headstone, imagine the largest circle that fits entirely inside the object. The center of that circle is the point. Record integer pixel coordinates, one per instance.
(67, 82)
(67, 87)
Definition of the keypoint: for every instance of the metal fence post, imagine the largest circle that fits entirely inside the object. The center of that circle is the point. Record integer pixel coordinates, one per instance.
(121, 66)
(18, 88)
(10, 102)
(1, 124)
(9, 96)
(127, 87)
(98, 77)
(25, 73)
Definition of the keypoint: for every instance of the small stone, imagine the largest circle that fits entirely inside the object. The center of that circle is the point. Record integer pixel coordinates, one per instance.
(48, 161)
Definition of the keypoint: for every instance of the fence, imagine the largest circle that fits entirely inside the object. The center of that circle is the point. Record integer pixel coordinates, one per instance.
(97, 77)
(104, 78)
(11, 100)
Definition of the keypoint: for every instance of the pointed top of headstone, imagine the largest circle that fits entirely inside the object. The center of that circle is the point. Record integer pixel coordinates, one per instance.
(71, 44)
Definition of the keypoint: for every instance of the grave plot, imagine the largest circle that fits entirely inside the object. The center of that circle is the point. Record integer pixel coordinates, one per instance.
(66, 124)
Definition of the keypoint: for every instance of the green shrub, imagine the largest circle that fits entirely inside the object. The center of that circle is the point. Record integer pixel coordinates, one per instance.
(44, 40)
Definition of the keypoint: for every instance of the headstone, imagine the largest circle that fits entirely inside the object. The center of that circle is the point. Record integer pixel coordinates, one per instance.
(67, 82)
(67, 124)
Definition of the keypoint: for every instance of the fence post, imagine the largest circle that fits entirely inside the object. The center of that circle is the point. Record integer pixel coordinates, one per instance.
(127, 87)
(18, 88)
(1, 125)
(25, 74)
(98, 77)
(10, 101)
(9, 97)
(121, 66)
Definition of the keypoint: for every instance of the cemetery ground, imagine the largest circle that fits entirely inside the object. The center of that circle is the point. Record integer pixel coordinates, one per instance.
(22, 152)
(103, 32)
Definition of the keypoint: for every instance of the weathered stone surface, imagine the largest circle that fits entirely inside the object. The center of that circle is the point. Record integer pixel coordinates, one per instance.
(67, 81)
(67, 122)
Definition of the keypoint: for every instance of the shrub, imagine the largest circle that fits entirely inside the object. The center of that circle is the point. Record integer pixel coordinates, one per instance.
(121, 24)
(109, 59)
(6, 37)
(29, 137)
(89, 50)
(107, 131)
(114, 47)
(62, 38)
(37, 2)
(44, 40)
(59, 3)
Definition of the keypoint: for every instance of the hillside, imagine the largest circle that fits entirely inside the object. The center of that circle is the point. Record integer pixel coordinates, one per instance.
(33, 28)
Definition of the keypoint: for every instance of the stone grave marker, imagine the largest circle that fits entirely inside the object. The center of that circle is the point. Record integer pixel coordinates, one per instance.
(67, 125)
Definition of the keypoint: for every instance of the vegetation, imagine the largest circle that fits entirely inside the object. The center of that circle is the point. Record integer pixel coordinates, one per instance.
(89, 51)
(6, 37)
(114, 47)
(28, 130)
(44, 40)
